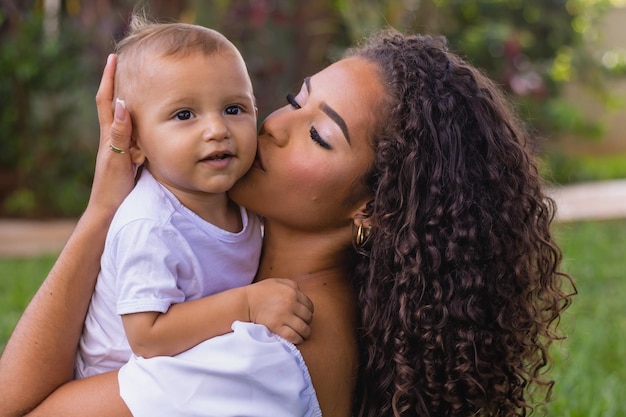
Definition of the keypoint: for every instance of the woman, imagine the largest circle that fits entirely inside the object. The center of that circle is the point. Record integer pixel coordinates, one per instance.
(454, 291)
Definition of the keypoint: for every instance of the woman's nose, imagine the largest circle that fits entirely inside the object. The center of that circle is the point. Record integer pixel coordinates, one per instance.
(276, 126)
(215, 128)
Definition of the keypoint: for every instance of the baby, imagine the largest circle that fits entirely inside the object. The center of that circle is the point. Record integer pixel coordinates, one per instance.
(178, 238)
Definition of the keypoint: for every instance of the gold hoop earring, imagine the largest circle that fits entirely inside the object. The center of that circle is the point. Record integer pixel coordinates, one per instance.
(362, 233)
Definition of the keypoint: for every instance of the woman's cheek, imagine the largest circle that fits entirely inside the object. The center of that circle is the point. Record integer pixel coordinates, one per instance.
(310, 175)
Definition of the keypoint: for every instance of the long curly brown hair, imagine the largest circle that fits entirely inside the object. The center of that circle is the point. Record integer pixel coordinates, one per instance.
(459, 288)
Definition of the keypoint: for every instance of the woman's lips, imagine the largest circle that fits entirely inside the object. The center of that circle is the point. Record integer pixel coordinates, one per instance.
(257, 162)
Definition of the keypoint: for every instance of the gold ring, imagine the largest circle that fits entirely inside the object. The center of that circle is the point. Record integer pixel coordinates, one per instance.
(116, 149)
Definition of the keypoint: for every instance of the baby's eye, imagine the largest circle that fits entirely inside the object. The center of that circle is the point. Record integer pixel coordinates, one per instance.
(184, 115)
(234, 110)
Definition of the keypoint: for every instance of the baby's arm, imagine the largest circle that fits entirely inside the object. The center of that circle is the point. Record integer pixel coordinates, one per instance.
(275, 303)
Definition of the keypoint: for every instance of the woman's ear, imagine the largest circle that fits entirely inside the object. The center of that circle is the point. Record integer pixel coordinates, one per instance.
(362, 216)
(361, 228)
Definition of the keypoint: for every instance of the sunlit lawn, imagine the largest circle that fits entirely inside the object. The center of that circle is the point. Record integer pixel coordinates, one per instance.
(19, 279)
(590, 365)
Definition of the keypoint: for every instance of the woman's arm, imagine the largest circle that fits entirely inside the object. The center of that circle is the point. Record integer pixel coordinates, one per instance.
(97, 396)
(39, 356)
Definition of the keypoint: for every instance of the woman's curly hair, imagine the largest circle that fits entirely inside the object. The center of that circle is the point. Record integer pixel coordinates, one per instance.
(459, 288)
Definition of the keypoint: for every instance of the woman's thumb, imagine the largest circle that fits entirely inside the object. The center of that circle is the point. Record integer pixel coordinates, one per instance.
(121, 129)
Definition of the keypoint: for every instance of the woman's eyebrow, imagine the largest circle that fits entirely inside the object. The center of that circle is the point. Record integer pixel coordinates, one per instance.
(331, 112)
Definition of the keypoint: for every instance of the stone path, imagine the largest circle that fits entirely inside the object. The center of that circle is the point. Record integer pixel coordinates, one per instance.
(594, 201)
(22, 238)
(590, 201)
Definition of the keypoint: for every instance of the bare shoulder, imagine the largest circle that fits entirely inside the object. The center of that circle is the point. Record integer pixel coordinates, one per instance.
(331, 353)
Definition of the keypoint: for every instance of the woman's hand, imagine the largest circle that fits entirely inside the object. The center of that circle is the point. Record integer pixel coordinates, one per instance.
(115, 175)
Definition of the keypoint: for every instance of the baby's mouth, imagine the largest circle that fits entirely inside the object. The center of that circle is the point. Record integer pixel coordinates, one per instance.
(217, 156)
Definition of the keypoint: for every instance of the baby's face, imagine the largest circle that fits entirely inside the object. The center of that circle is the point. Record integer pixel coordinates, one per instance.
(195, 122)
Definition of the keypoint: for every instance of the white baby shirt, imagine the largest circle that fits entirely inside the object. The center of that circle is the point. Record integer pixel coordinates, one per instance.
(158, 253)
(250, 372)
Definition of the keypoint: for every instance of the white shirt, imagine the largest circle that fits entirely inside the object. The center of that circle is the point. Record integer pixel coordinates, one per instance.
(158, 253)
(250, 372)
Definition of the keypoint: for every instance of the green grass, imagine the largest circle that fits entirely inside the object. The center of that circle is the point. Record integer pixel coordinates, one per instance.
(590, 369)
(19, 279)
(590, 366)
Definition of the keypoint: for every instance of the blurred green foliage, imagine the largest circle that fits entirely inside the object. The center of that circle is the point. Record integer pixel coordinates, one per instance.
(41, 154)
(562, 168)
(47, 83)
(531, 47)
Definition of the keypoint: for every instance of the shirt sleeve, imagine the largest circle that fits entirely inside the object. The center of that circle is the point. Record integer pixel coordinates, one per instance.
(250, 372)
(147, 265)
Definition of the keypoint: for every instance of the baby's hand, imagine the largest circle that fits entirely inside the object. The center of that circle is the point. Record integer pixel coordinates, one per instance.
(281, 307)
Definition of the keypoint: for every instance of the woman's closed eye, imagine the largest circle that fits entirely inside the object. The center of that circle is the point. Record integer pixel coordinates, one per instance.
(184, 115)
(318, 139)
(315, 136)
(291, 99)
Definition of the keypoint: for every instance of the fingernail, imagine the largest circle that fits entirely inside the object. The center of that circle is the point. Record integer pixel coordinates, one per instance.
(120, 110)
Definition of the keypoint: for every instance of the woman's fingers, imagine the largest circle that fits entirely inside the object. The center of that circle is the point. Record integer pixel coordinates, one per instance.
(114, 176)
(121, 128)
(115, 127)
(104, 97)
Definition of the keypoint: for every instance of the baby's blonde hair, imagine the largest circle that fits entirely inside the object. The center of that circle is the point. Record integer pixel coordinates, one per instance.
(159, 40)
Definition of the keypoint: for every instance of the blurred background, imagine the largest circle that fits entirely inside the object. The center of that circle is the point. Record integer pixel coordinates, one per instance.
(562, 61)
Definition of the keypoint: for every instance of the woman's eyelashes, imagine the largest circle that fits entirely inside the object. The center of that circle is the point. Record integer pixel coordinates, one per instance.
(315, 136)
(291, 99)
(318, 139)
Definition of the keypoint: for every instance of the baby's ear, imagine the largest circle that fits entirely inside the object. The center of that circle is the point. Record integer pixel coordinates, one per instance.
(136, 153)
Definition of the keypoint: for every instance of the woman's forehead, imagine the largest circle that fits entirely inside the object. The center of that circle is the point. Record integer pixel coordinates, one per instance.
(353, 73)
(353, 88)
